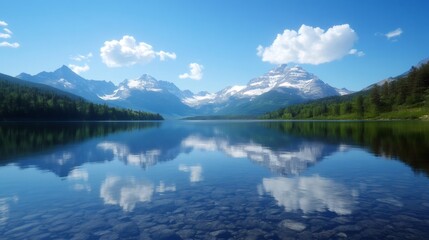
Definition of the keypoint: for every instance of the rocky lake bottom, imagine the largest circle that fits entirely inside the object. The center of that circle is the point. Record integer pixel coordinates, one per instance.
(215, 181)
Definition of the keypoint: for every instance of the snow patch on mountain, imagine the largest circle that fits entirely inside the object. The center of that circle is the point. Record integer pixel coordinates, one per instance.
(281, 78)
(142, 85)
(197, 100)
(343, 91)
(65, 83)
(119, 94)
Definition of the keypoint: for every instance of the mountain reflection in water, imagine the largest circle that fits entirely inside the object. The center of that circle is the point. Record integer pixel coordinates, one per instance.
(214, 179)
(284, 147)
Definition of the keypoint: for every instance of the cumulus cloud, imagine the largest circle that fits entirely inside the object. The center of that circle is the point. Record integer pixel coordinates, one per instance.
(81, 57)
(309, 45)
(3, 24)
(195, 72)
(393, 34)
(127, 52)
(79, 69)
(164, 55)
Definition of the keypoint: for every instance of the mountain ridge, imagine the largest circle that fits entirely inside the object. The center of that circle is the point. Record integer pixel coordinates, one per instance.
(282, 85)
(403, 97)
(22, 100)
(391, 79)
(66, 80)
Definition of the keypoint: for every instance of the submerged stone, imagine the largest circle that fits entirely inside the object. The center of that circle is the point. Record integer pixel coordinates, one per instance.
(293, 225)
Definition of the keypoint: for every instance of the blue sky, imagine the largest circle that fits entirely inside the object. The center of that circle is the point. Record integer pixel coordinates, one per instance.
(217, 39)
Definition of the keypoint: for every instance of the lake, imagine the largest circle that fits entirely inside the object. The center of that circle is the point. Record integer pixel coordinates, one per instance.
(214, 180)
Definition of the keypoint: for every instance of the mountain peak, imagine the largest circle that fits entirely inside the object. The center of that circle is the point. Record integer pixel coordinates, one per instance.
(147, 77)
(67, 73)
(280, 68)
(64, 70)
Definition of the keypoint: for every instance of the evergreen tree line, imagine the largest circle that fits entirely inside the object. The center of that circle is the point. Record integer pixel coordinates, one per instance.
(401, 140)
(405, 97)
(20, 139)
(26, 102)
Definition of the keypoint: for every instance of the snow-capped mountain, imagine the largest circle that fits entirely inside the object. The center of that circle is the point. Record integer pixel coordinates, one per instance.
(308, 85)
(279, 87)
(145, 83)
(148, 94)
(65, 79)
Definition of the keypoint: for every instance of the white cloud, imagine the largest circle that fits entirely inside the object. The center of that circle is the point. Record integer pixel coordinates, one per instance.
(79, 69)
(7, 30)
(164, 55)
(310, 45)
(127, 52)
(5, 35)
(356, 52)
(196, 72)
(395, 33)
(8, 44)
(81, 57)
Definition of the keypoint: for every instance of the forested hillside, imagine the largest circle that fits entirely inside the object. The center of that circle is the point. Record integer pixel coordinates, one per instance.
(404, 98)
(21, 100)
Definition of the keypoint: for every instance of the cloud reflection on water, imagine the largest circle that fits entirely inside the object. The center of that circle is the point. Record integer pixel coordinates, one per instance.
(123, 153)
(290, 161)
(310, 194)
(127, 192)
(5, 208)
(79, 178)
(196, 172)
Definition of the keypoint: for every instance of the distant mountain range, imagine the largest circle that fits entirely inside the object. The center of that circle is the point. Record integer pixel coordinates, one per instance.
(22, 100)
(390, 79)
(402, 97)
(65, 79)
(282, 86)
